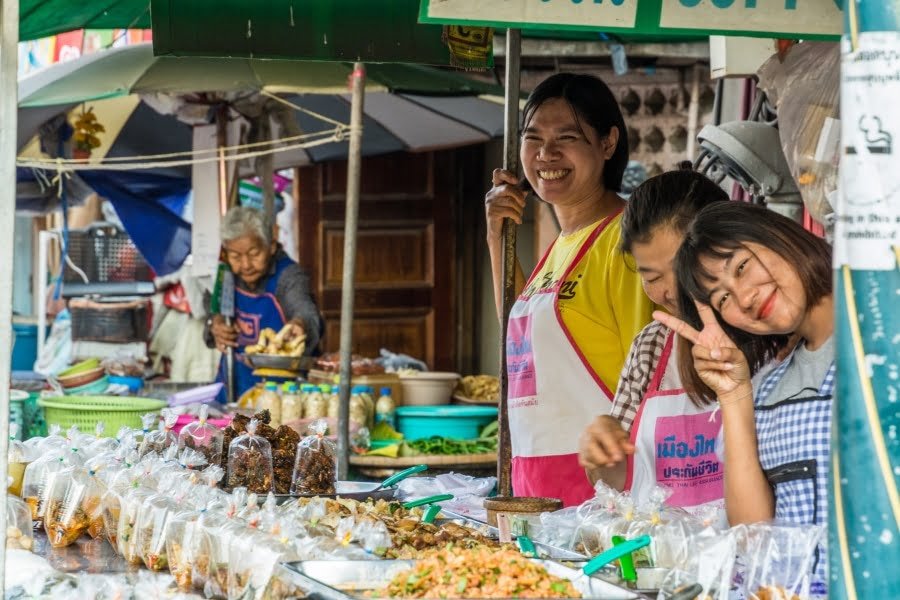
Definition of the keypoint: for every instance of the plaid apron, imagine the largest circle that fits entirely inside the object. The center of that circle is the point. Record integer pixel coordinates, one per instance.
(794, 438)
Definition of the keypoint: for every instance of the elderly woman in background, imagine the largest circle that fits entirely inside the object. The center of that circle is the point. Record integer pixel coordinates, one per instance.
(271, 291)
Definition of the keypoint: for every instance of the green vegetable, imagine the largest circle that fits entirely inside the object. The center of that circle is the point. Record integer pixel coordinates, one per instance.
(491, 430)
(461, 584)
(448, 446)
(559, 587)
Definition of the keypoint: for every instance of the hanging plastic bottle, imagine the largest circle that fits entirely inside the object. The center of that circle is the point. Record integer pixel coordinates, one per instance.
(385, 408)
(270, 400)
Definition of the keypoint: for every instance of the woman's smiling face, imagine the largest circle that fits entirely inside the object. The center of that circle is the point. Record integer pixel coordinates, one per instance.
(756, 290)
(563, 158)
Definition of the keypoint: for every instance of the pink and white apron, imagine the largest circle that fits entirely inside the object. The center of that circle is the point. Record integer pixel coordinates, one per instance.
(553, 392)
(675, 444)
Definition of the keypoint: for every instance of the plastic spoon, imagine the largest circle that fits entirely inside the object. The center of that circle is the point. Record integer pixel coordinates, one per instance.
(626, 563)
(616, 552)
(526, 546)
(398, 477)
(427, 500)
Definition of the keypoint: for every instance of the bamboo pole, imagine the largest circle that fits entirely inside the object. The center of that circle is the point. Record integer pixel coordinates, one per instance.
(351, 219)
(508, 271)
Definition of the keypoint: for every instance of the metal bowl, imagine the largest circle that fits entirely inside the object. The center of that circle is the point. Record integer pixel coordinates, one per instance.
(274, 361)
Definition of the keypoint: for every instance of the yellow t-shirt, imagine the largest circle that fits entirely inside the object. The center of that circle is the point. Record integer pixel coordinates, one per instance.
(601, 301)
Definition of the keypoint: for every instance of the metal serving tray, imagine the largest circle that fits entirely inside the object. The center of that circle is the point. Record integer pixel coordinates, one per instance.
(358, 579)
(544, 550)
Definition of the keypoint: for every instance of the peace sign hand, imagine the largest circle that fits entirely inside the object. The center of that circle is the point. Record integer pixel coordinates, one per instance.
(718, 361)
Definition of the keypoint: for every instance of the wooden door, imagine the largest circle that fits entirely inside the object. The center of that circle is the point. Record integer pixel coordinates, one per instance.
(406, 260)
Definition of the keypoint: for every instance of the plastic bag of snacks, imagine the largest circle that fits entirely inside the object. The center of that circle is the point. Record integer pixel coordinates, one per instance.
(126, 533)
(204, 438)
(19, 533)
(40, 474)
(16, 460)
(711, 564)
(153, 521)
(778, 562)
(250, 462)
(64, 517)
(218, 534)
(603, 521)
(100, 444)
(315, 469)
(249, 573)
(159, 440)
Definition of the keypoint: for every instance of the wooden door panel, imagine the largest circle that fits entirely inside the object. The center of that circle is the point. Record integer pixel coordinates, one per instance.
(385, 256)
(410, 334)
(383, 175)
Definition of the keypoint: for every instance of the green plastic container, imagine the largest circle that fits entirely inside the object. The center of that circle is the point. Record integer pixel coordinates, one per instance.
(450, 421)
(17, 400)
(86, 411)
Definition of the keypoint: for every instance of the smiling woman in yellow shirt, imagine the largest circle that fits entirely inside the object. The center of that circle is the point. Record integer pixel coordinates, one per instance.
(573, 322)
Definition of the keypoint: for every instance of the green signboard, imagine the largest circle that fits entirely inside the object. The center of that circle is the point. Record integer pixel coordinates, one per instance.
(807, 19)
(328, 30)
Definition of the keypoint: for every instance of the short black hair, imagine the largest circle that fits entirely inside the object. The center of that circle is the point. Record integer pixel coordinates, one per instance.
(593, 103)
(670, 199)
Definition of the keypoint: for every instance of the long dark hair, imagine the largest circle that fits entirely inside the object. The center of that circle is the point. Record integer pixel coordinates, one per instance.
(717, 232)
(592, 102)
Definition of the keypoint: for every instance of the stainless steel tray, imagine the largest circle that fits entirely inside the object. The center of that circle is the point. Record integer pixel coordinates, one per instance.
(354, 579)
(277, 361)
(544, 550)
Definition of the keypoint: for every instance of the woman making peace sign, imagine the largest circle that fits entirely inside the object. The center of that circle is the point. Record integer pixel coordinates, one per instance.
(756, 277)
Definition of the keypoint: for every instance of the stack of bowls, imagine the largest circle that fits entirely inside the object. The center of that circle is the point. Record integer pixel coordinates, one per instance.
(86, 377)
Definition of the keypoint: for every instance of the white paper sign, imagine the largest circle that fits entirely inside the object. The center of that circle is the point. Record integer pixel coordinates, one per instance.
(590, 13)
(867, 229)
(811, 17)
(205, 229)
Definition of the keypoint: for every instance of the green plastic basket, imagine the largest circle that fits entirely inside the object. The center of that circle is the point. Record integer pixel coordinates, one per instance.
(86, 411)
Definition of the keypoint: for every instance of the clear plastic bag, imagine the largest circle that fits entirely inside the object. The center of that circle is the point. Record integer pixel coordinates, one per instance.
(65, 519)
(711, 563)
(777, 560)
(203, 437)
(131, 503)
(19, 533)
(250, 462)
(182, 542)
(153, 521)
(315, 470)
(160, 440)
(16, 460)
(40, 474)
(249, 573)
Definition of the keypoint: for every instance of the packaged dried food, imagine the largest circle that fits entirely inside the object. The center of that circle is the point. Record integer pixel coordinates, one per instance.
(315, 469)
(159, 440)
(250, 574)
(203, 437)
(65, 518)
(315, 405)
(192, 461)
(270, 400)
(333, 400)
(217, 529)
(19, 533)
(126, 533)
(291, 403)
(40, 474)
(284, 454)
(100, 444)
(93, 503)
(250, 461)
(182, 539)
(16, 460)
(152, 523)
(779, 561)
(359, 410)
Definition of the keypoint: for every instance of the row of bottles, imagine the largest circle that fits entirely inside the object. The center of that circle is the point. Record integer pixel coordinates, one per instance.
(290, 402)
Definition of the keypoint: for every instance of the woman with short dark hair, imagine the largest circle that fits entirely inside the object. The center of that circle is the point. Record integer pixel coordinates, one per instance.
(754, 277)
(575, 317)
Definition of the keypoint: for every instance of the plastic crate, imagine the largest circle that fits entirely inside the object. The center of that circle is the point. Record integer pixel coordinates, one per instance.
(104, 253)
(116, 322)
(86, 411)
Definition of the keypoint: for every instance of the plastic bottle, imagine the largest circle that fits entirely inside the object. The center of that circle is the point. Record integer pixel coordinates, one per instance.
(291, 403)
(333, 400)
(315, 405)
(359, 410)
(385, 408)
(270, 400)
(368, 395)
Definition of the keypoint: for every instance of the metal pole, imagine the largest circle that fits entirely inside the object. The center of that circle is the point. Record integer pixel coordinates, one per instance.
(9, 40)
(351, 218)
(508, 271)
(44, 238)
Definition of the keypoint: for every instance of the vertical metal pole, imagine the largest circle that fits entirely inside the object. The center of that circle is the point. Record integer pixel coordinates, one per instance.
(351, 218)
(9, 40)
(44, 238)
(508, 272)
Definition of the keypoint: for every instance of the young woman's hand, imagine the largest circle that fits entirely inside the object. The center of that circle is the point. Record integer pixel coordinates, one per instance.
(718, 361)
(505, 200)
(604, 444)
